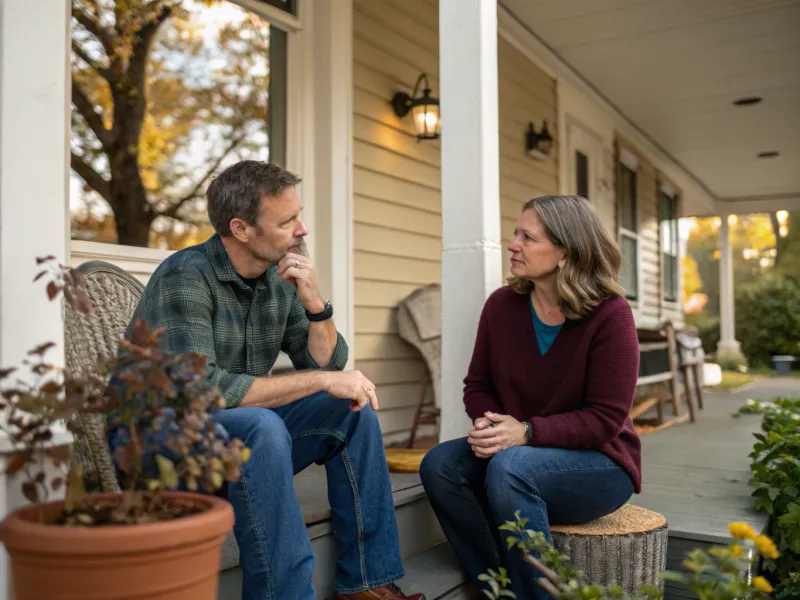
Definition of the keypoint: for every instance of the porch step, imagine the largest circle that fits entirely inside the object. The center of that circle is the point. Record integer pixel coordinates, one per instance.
(429, 563)
(436, 573)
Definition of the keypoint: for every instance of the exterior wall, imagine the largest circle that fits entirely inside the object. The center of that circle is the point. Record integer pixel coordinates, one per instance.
(526, 94)
(397, 182)
(651, 310)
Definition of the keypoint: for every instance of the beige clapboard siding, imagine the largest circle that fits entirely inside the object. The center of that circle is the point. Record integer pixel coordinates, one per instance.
(397, 202)
(397, 182)
(525, 94)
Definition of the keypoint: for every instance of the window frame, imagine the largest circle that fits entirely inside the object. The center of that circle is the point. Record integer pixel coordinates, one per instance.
(142, 260)
(628, 160)
(670, 193)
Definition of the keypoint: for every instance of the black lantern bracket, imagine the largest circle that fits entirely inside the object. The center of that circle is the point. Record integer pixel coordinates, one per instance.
(402, 104)
(538, 144)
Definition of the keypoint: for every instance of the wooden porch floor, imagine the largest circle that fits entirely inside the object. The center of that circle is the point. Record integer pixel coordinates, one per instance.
(696, 474)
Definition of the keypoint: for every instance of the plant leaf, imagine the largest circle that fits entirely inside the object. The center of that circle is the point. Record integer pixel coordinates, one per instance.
(30, 492)
(167, 472)
(41, 348)
(52, 290)
(18, 461)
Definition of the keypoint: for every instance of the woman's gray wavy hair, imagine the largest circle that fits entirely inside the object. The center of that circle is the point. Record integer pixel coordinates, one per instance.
(591, 272)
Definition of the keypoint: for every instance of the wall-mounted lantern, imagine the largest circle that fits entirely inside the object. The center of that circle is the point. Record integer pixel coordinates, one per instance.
(424, 110)
(538, 144)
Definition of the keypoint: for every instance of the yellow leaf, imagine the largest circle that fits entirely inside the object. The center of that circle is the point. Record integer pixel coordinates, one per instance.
(167, 473)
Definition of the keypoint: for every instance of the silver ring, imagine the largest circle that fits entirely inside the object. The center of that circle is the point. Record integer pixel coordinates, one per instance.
(296, 263)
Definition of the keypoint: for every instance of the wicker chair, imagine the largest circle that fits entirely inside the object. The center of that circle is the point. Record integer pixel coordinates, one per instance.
(114, 294)
(419, 324)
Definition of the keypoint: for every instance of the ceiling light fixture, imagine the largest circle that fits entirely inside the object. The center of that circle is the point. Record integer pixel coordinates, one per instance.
(748, 101)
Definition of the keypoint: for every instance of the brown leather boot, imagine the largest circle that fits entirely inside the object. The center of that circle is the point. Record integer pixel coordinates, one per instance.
(388, 592)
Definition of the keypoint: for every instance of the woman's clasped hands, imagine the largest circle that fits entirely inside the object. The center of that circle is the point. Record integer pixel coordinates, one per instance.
(494, 432)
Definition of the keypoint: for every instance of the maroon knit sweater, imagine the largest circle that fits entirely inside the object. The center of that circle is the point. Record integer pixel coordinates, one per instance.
(577, 395)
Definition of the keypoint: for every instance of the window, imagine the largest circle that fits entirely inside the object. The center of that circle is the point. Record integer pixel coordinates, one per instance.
(668, 217)
(582, 174)
(212, 92)
(629, 232)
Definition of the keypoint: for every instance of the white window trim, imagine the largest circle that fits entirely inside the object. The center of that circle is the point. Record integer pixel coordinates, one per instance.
(145, 260)
(672, 192)
(631, 161)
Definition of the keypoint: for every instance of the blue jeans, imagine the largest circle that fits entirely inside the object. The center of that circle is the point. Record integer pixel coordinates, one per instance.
(276, 558)
(473, 496)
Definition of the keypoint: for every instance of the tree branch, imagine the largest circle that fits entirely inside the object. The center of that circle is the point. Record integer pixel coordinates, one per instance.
(141, 47)
(103, 35)
(102, 71)
(172, 211)
(92, 117)
(780, 242)
(92, 178)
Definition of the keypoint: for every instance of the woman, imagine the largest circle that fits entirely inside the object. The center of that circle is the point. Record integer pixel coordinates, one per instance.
(549, 389)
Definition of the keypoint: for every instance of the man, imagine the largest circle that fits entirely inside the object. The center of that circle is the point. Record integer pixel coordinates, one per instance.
(239, 299)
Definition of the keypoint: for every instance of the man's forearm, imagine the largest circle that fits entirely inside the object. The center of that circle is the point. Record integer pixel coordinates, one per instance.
(322, 341)
(272, 392)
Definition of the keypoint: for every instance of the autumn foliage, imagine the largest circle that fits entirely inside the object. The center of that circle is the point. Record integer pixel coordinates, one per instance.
(158, 109)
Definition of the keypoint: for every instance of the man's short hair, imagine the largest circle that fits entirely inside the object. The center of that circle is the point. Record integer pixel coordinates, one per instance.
(236, 192)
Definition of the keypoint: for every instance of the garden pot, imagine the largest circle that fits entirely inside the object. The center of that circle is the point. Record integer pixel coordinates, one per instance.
(171, 560)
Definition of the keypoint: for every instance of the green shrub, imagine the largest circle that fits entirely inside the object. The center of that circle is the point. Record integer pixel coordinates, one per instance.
(768, 318)
(775, 464)
(707, 330)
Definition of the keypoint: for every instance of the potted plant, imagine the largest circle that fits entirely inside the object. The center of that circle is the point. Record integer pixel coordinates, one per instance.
(158, 538)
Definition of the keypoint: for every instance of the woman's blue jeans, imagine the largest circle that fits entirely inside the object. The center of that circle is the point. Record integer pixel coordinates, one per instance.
(473, 496)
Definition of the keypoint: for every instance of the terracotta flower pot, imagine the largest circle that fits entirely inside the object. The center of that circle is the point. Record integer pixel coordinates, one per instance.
(171, 560)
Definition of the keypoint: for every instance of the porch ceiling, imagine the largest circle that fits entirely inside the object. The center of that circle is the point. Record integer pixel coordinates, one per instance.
(674, 68)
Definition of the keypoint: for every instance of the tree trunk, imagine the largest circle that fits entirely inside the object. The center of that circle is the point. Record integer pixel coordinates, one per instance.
(132, 212)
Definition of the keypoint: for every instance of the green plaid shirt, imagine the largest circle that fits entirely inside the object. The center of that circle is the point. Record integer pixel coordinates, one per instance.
(206, 308)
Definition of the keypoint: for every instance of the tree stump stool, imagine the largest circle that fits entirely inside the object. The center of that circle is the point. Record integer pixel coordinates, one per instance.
(627, 548)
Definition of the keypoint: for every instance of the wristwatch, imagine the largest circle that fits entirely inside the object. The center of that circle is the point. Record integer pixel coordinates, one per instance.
(324, 315)
(528, 433)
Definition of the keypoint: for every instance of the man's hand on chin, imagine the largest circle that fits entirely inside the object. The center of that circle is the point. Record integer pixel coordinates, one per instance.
(299, 271)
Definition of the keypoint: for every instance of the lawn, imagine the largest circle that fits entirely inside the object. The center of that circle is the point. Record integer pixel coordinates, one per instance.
(732, 380)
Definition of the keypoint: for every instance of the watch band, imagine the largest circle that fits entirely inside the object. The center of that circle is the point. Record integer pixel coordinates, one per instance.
(528, 433)
(324, 315)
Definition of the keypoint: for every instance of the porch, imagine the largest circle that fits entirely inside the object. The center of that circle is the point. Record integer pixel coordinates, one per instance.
(696, 475)
(458, 199)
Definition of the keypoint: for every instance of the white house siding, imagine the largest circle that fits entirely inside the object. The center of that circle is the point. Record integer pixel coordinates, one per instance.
(397, 202)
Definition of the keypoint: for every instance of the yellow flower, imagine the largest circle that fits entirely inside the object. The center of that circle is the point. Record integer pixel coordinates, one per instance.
(766, 547)
(762, 585)
(736, 550)
(741, 531)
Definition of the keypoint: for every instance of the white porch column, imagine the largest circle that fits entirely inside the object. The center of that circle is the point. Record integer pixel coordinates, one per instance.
(34, 172)
(728, 350)
(471, 261)
(332, 28)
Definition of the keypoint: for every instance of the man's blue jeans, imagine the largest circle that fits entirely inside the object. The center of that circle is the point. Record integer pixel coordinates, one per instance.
(275, 551)
(473, 496)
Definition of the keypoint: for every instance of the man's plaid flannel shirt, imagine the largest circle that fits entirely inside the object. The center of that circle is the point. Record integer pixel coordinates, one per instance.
(206, 308)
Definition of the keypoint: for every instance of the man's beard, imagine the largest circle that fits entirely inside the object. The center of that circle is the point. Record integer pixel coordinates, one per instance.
(297, 247)
(300, 247)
